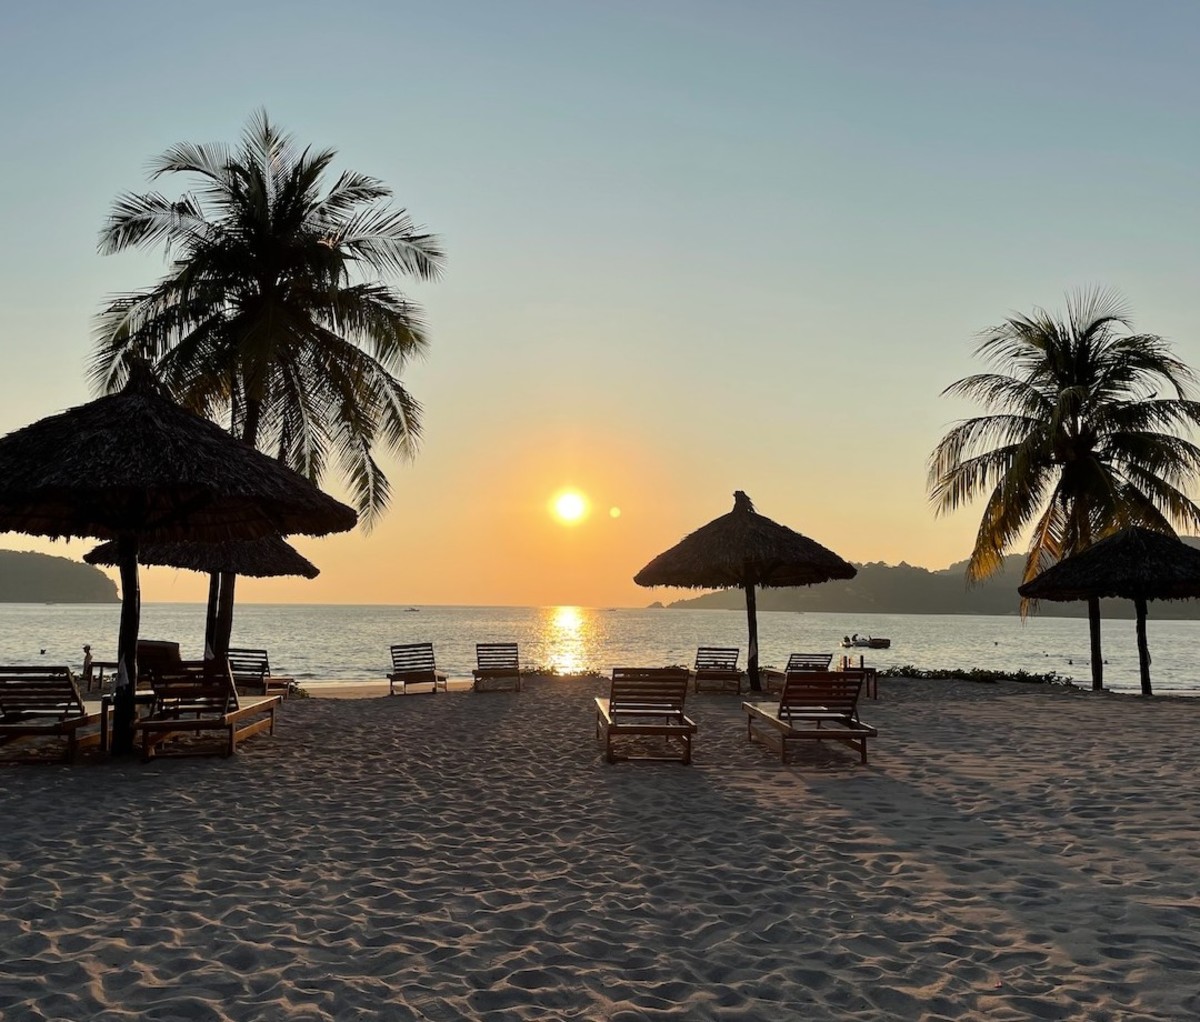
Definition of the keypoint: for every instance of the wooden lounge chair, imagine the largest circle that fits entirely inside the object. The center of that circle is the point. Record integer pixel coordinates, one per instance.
(201, 697)
(45, 701)
(497, 665)
(251, 669)
(413, 664)
(716, 668)
(796, 662)
(646, 701)
(813, 705)
(154, 655)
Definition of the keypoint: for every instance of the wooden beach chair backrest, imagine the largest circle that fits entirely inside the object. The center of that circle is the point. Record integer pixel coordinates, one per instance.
(198, 687)
(642, 691)
(249, 664)
(717, 658)
(809, 662)
(832, 691)
(413, 657)
(156, 655)
(43, 692)
(497, 656)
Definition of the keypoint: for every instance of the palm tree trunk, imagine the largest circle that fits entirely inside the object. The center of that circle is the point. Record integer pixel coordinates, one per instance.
(131, 611)
(752, 621)
(223, 619)
(1097, 654)
(1139, 606)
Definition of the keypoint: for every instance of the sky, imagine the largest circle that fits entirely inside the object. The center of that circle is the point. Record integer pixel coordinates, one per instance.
(692, 247)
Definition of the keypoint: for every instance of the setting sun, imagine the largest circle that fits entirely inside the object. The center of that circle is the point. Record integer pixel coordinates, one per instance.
(569, 506)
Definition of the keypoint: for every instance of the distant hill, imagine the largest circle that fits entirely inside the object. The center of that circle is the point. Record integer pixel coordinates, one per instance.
(41, 578)
(904, 589)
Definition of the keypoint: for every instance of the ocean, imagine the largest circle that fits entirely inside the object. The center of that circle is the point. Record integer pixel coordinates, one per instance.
(350, 643)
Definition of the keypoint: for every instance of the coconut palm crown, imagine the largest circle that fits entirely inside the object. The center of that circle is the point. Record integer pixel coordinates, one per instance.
(1077, 443)
(272, 316)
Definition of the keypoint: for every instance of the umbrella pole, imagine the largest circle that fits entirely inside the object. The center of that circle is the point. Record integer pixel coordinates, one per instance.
(752, 621)
(224, 627)
(210, 619)
(1097, 654)
(1139, 605)
(131, 610)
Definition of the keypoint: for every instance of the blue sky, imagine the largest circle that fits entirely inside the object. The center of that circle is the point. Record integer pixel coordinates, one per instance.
(693, 247)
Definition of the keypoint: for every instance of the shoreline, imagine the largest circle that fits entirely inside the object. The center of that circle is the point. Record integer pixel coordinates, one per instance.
(332, 688)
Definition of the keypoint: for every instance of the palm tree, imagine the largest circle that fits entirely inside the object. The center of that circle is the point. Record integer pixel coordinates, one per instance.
(272, 317)
(1076, 443)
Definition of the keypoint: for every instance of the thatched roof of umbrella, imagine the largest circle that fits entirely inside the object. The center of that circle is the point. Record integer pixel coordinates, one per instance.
(138, 461)
(268, 557)
(137, 467)
(744, 548)
(1136, 563)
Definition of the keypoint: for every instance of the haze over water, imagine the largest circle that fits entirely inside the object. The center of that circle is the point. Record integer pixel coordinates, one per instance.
(349, 643)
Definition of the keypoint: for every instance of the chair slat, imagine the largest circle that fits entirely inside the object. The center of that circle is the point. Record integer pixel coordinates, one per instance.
(717, 658)
(809, 662)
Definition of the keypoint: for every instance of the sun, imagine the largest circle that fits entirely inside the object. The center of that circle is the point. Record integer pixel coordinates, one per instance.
(569, 506)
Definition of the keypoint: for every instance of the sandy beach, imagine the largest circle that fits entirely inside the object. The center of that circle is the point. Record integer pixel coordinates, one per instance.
(1011, 852)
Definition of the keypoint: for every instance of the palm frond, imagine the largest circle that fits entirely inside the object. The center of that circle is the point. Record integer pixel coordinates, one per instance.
(1077, 437)
(269, 318)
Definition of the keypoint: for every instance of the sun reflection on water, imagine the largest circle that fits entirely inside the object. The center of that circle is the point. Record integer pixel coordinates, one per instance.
(567, 636)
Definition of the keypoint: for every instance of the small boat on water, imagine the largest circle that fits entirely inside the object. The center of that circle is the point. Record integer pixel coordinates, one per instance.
(857, 641)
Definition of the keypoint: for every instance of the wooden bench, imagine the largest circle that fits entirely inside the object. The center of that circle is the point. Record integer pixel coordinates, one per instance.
(251, 668)
(45, 701)
(716, 666)
(413, 664)
(646, 701)
(497, 665)
(796, 662)
(201, 697)
(821, 705)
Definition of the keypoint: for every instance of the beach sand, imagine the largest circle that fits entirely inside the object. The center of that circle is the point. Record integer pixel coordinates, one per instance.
(1011, 852)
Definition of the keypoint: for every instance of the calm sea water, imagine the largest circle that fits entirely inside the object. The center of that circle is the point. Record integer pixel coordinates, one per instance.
(347, 643)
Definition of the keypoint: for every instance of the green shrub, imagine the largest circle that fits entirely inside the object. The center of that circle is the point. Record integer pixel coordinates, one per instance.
(975, 674)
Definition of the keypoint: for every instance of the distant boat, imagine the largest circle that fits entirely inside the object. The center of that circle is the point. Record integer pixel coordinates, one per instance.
(412, 610)
(857, 641)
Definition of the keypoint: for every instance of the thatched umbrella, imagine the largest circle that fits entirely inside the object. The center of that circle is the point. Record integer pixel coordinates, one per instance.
(1134, 564)
(743, 549)
(136, 467)
(269, 557)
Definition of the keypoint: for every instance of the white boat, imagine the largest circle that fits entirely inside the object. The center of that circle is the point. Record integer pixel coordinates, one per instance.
(857, 641)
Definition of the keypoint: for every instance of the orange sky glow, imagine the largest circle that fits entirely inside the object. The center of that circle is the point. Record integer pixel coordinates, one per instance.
(690, 249)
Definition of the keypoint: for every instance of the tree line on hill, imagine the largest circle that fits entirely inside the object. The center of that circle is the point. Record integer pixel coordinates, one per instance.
(907, 589)
(27, 577)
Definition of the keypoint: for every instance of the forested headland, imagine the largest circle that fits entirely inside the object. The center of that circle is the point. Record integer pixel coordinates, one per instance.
(27, 577)
(880, 588)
